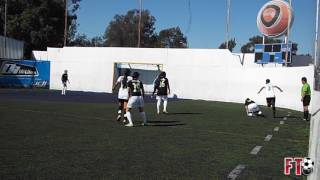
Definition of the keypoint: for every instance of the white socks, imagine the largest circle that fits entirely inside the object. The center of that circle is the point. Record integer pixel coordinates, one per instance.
(158, 105)
(165, 103)
(143, 115)
(129, 118)
(64, 90)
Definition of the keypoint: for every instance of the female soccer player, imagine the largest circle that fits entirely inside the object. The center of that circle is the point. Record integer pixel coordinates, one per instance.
(64, 79)
(123, 94)
(136, 94)
(270, 95)
(162, 88)
(252, 108)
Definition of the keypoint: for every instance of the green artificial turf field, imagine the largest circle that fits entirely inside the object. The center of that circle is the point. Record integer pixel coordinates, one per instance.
(197, 140)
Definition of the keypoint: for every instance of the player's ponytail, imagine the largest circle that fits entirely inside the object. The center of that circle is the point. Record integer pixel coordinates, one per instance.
(125, 78)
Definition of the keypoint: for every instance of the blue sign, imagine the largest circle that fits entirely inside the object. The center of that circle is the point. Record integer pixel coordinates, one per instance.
(272, 53)
(24, 73)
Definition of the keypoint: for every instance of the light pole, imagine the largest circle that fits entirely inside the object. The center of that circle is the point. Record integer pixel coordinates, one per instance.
(65, 23)
(316, 39)
(5, 27)
(287, 37)
(228, 23)
(139, 24)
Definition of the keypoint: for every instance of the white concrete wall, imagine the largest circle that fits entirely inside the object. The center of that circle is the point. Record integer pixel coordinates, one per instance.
(207, 74)
(314, 140)
(40, 55)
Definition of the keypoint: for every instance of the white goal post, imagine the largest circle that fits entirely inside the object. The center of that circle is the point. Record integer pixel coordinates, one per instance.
(148, 72)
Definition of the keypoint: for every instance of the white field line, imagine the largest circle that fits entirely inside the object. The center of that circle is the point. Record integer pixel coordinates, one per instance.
(236, 171)
(255, 150)
(268, 137)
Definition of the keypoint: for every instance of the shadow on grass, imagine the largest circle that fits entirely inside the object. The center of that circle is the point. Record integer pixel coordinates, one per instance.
(165, 123)
(183, 113)
(288, 117)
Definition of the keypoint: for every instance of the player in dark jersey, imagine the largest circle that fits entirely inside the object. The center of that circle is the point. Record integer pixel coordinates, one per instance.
(136, 94)
(162, 88)
(64, 79)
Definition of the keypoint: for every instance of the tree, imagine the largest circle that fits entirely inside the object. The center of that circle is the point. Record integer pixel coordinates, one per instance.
(123, 30)
(172, 38)
(249, 47)
(231, 44)
(97, 41)
(39, 23)
(73, 6)
(81, 40)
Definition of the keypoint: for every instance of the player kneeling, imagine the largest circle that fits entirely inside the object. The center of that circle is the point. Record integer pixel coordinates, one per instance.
(252, 108)
(136, 94)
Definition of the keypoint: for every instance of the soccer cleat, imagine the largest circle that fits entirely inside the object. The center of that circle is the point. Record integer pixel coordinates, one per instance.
(144, 124)
(165, 112)
(125, 120)
(129, 125)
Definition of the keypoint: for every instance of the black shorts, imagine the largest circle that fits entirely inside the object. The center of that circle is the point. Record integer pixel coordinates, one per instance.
(64, 84)
(306, 100)
(271, 101)
(122, 100)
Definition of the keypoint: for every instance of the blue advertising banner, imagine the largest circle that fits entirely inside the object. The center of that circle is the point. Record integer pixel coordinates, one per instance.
(24, 73)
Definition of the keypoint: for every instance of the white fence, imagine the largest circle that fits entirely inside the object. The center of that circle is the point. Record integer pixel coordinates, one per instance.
(314, 140)
(207, 74)
(11, 48)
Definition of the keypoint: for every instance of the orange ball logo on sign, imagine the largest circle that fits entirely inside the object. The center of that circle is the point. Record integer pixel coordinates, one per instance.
(274, 18)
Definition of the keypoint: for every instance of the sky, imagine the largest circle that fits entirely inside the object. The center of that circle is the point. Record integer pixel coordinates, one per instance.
(203, 22)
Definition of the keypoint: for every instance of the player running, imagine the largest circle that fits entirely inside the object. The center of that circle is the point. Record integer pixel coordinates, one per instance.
(270, 95)
(123, 94)
(252, 108)
(64, 79)
(136, 94)
(162, 87)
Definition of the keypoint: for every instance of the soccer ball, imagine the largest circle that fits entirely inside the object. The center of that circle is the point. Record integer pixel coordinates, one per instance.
(307, 166)
(259, 112)
(250, 114)
(274, 17)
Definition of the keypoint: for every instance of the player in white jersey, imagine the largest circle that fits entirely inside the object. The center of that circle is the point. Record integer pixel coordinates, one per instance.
(123, 94)
(252, 108)
(270, 95)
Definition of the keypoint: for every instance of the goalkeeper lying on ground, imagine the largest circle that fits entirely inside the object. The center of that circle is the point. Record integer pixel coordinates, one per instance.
(252, 108)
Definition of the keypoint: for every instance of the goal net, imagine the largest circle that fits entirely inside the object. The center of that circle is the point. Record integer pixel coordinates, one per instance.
(148, 73)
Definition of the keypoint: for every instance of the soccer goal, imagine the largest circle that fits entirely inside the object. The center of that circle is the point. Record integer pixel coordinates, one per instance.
(148, 72)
